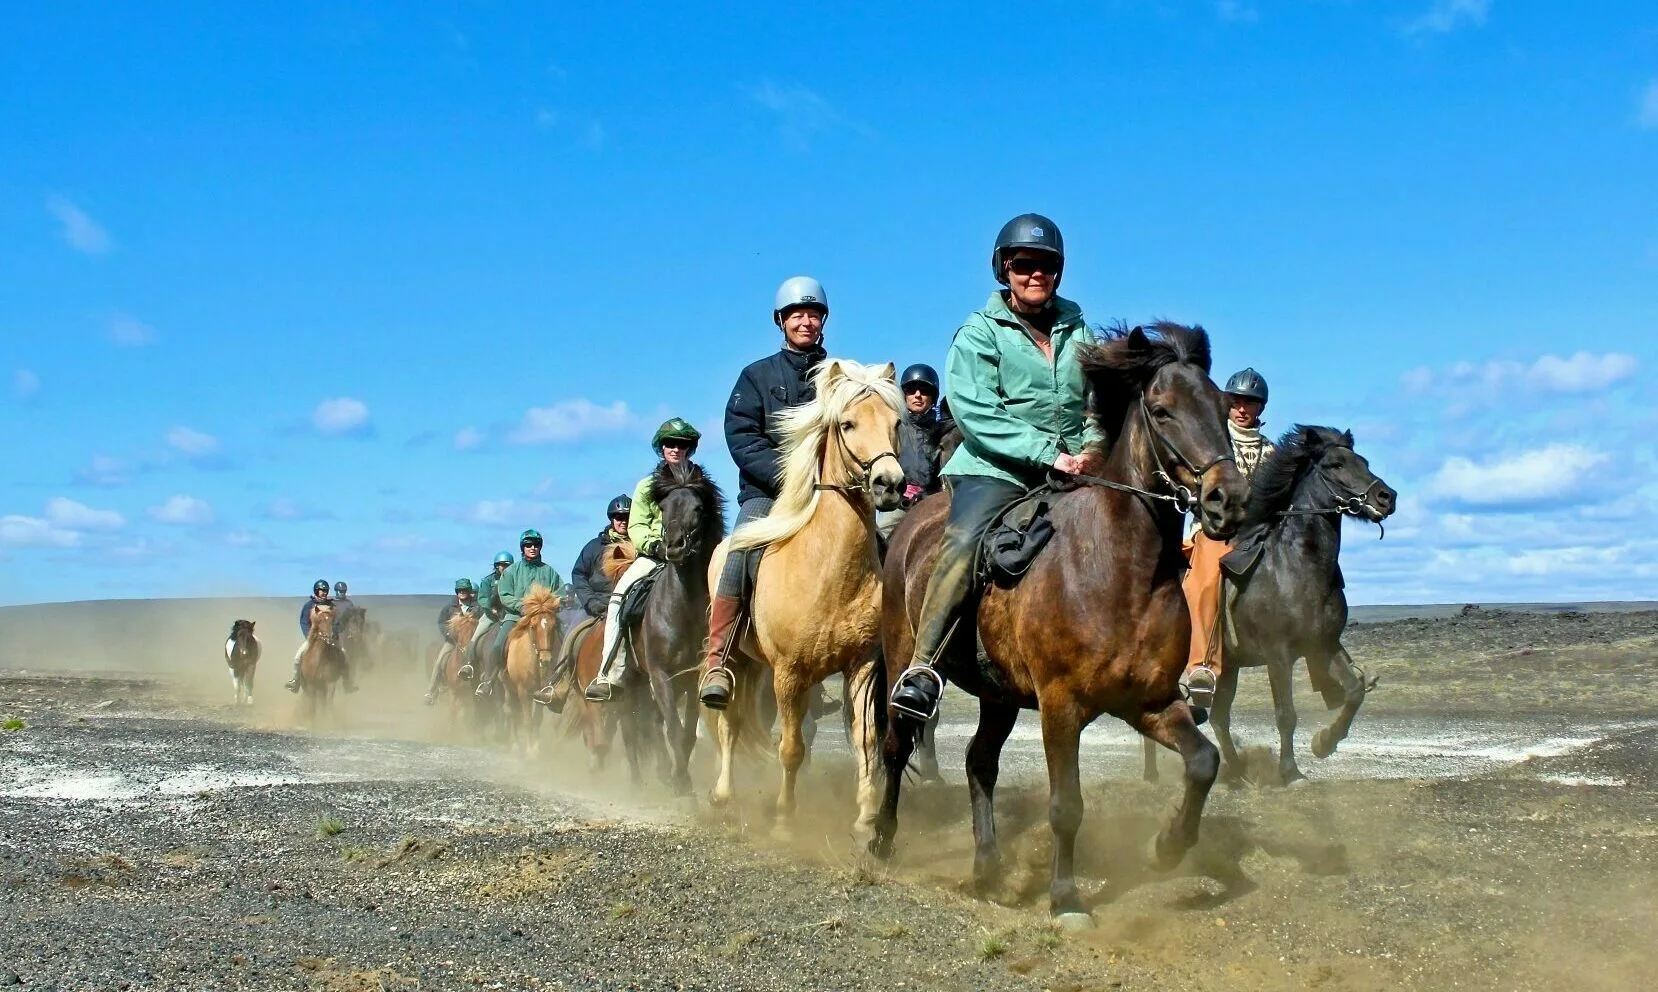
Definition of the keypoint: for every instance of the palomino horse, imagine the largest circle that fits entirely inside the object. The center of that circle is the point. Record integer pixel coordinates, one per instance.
(242, 655)
(321, 664)
(1098, 624)
(1291, 605)
(816, 605)
(675, 623)
(530, 648)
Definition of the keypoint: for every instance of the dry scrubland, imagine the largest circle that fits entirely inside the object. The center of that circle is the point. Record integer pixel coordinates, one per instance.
(151, 836)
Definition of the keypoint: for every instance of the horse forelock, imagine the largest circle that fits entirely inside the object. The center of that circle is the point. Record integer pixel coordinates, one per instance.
(1299, 451)
(538, 602)
(687, 475)
(1122, 361)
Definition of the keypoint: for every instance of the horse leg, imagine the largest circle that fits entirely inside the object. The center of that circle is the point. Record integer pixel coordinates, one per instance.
(688, 717)
(677, 774)
(984, 765)
(896, 748)
(1281, 672)
(1347, 675)
(791, 744)
(860, 736)
(726, 728)
(1148, 770)
(1061, 738)
(1173, 728)
(1220, 715)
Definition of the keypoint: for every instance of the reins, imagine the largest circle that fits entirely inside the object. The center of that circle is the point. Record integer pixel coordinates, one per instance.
(1353, 505)
(1183, 498)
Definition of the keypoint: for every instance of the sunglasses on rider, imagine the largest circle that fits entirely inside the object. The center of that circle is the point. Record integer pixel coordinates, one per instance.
(1028, 266)
(674, 442)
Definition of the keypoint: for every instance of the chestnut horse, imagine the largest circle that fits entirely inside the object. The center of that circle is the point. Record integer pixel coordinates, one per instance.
(816, 605)
(321, 664)
(462, 703)
(1098, 624)
(530, 648)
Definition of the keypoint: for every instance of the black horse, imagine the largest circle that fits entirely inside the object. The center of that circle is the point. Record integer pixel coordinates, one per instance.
(670, 634)
(1290, 603)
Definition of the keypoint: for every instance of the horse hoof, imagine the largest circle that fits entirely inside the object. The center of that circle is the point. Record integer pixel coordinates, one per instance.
(1322, 746)
(1074, 921)
(1293, 779)
(880, 848)
(717, 800)
(1163, 855)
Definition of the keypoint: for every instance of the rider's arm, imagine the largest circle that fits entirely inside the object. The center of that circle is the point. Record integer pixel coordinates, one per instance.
(305, 619)
(745, 432)
(973, 375)
(581, 574)
(507, 592)
(645, 519)
(443, 621)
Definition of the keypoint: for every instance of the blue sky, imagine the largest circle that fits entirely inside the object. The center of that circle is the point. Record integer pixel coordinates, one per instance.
(360, 291)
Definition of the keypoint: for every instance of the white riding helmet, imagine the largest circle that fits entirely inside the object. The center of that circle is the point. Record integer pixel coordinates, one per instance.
(798, 291)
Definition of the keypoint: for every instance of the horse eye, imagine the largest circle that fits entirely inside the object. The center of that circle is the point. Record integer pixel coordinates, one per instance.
(847, 425)
(1162, 414)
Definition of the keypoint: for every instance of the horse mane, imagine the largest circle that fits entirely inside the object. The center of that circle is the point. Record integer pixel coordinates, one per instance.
(805, 431)
(1122, 360)
(538, 601)
(1273, 486)
(460, 621)
(616, 559)
(240, 625)
(668, 479)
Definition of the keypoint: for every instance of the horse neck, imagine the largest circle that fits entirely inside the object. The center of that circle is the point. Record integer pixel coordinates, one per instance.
(840, 535)
(1314, 535)
(1132, 462)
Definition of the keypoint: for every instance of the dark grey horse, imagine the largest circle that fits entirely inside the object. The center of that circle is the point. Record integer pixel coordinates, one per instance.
(670, 635)
(1291, 604)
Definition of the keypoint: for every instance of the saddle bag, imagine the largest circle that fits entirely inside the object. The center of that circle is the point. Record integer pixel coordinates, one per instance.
(1017, 537)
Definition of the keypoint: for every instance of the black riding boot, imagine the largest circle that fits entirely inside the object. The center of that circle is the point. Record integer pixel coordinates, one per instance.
(495, 657)
(975, 502)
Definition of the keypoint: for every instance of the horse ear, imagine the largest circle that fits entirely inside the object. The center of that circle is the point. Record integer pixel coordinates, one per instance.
(1137, 340)
(834, 373)
(889, 372)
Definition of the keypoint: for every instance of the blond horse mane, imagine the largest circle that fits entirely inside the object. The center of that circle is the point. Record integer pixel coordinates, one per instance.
(462, 622)
(616, 559)
(806, 430)
(538, 602)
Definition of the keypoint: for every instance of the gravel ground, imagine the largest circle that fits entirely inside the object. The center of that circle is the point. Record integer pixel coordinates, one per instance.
(152, 837)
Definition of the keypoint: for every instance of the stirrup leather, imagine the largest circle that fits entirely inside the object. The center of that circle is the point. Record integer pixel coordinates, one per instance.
(918, 674)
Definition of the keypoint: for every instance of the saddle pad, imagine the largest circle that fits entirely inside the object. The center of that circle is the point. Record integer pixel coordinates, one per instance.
(578, 634)
(1245, 553)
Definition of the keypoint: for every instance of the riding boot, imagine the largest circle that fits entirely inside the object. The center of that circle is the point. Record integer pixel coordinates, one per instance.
(603, 688)
(717, 680)
(1203, 588)
(975, 503)
(292, 685)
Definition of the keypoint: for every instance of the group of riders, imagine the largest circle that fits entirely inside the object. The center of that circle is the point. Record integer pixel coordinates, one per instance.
(1016, 413)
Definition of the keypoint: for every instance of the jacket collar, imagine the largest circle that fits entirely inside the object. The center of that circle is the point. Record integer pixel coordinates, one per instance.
(801, 361)
(1069, 319)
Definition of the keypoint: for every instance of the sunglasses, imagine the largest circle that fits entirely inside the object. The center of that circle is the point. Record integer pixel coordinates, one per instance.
(1026, 266)
(676, 443)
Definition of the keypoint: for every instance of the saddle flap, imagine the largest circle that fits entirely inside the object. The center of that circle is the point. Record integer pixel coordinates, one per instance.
(1017, 537)
(1245, 553)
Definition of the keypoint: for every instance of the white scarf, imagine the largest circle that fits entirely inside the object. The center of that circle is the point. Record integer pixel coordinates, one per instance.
(1249, 448)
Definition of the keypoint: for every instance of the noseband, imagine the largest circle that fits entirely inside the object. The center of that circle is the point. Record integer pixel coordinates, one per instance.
(1353, 504)
(1185, 498)
(861, 482)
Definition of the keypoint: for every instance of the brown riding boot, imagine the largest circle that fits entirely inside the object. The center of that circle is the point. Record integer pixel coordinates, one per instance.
(1203, 593)
(717, 682)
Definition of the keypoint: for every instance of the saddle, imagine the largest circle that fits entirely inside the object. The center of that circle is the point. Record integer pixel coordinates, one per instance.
(1016, 537)
(633, 601)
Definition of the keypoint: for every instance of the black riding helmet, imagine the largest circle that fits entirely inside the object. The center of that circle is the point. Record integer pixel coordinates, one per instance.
(919, 373)
(319, 587)
(619, 507)
(1032, 231)
(1248, 383)
(339, 588)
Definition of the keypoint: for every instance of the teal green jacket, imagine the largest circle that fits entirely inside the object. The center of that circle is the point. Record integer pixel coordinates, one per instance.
(517, 581)
(1016, 411)
(486, 595)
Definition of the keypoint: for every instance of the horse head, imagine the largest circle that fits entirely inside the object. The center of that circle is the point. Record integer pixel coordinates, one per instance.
(544, 637)
(1166, 418)
(242, 633)
(322, 622)
(693, 512)
(1319, 462)
(861, 407)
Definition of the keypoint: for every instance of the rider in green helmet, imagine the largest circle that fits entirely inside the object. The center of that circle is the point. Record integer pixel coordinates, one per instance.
(493, 610)
(525, 574)
(674, 442)
(465, 601)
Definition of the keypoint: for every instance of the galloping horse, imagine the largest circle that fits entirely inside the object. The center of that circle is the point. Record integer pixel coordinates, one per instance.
(1098, 624)
(462, 702)
(675, 623)
(242, 655)
(321, 664)
(1291, 605)
(530, 648)
(816, 605)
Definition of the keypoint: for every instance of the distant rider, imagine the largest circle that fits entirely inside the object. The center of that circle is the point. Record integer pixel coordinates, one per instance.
(674, 442)
(493, 611)
(319, 597)
(764, 389)
(591, 584)
(528, 572)
(919, 432)
(465, 601)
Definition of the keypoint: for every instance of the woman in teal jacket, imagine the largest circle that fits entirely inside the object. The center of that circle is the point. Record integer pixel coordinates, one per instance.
(1018, 395)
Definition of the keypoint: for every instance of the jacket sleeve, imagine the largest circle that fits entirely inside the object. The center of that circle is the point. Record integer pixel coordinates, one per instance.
(1092, 436)
(581, 573)
(973, 372)
(305, 619)
(507, 592)
(745, 432)
(645, 519)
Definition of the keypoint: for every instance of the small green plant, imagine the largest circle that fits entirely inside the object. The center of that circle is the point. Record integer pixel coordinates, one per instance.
(622, 911)
(351, 852)
(12, 724)
(737, 943)
(893, 931)
(1047, 940)
(328, 826)
(992, 947)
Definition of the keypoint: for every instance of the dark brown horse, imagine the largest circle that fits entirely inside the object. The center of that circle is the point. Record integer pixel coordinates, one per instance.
(1291, 605)
(242, 655)
(1098, 625)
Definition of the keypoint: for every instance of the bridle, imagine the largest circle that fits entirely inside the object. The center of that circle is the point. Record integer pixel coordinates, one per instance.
(1182, 497)
(861, 483)
(1349, 502)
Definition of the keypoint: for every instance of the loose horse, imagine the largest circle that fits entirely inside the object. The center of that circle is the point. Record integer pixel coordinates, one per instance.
(1291, 604)
(530, 647)
(674, 625)
(242, 655)
(1098, 624)
(321, 664)
(816, 605)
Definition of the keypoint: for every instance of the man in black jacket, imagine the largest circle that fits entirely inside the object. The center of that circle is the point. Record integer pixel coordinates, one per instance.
(591, 585)
(763, 389)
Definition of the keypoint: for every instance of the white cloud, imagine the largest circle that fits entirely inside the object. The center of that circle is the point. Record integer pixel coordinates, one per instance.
(1582, 372)
(1446, 16)
(571, 420)
(1526, 478)
(72, 515)
(800, 112)
(82, 232)
(468, 438)
(1646, 114)
(192, 442)
(183, 510)
(33, 532)
(1236, 11)
(25, 383)
(104, 471)
(340, 416)
(283, 508)
(245, 539)
(504, 512)
(128, 331)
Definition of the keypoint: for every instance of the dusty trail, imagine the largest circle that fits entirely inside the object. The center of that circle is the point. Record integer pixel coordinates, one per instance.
(166, 840)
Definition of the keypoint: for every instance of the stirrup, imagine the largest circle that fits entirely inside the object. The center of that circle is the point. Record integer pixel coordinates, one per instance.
(716, 688)
(485, 688)
(431, 699)
(292, 685)
(918, 680)
(465, 673)
(600, 691)
(1199, 684)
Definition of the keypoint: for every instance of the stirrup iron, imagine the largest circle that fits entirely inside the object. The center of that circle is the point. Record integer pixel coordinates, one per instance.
(918, 673)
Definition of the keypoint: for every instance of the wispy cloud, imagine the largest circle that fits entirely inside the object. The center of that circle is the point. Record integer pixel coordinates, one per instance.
(1236, 11)
(1523, 479)
(1446, 16)
(128, 331)
(105, 472)
(25, 384)
(73, 515)
(81, 232)
(34, 532)
(1581, 372)
(801, 113)
(1646, 113)
(504, 512)
(468, 438)
(191, 442)
(340, 416)
(572, 420)
(183, 510)
(290, 511)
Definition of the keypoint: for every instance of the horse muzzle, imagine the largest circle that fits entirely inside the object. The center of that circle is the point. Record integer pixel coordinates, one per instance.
(1220, 505)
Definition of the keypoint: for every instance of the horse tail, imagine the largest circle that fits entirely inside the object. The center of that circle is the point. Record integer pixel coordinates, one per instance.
(753, 735)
